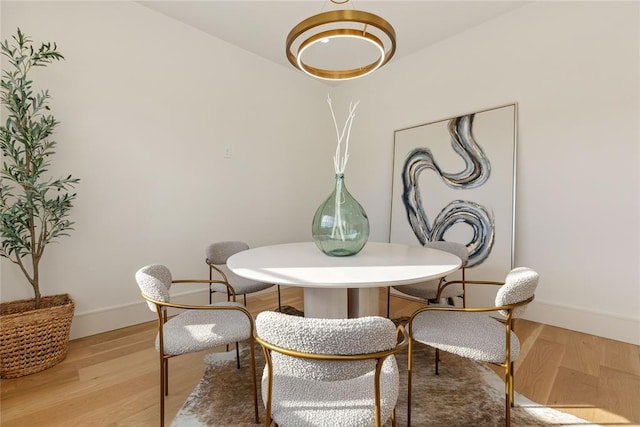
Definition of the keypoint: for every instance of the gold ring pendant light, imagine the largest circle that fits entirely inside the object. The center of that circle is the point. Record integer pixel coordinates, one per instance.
(355, 24)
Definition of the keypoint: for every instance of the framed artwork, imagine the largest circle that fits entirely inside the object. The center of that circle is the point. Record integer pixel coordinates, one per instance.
(454, 180)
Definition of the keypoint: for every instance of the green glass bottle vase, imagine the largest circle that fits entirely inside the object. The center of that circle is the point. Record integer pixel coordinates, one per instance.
(340, 226)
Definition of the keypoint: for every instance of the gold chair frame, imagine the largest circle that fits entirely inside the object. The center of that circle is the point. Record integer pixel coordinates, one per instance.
(508, 322)
(161, 310)
(380, 357)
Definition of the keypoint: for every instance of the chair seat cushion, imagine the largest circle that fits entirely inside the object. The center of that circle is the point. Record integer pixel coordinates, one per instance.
(472, 335)
(196, 330)
(240, 285)
(346, 403)
(429, 290)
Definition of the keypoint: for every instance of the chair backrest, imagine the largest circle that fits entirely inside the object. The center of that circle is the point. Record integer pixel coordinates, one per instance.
(155, 282)
(219, 252)
(519, 285)
(357, 336)
(457, 249)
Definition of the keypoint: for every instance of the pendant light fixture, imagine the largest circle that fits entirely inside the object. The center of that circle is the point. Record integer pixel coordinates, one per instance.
(341, 44)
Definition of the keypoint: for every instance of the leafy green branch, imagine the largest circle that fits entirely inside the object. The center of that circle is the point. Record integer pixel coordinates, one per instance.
(33, 207)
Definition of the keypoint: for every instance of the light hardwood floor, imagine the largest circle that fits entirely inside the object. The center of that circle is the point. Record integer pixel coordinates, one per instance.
(111, 379)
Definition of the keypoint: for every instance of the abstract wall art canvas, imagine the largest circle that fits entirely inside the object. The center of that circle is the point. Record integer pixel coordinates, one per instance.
(454, 180)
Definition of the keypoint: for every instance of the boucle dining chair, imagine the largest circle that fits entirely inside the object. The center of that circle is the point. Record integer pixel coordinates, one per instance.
(473, 333)
(428, 291)
(217, 255)
(329, 372)
(195, 328)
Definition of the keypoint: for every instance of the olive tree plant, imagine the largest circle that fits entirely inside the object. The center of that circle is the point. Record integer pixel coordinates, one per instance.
(33, 206)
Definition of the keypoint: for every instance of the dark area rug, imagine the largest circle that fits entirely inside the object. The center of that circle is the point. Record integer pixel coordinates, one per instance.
(465, 393)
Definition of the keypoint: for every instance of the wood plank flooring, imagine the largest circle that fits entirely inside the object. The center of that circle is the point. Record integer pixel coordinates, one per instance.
(111, 379)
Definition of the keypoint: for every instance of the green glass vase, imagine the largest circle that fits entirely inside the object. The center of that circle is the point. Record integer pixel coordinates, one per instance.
(340, 226)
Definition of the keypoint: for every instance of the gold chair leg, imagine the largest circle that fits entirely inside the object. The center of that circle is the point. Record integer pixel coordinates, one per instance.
(388, 301)
(393, 418)
(163, 387)
(279, 300)
(238, 355)
(409, 369)
(255, 381)
(512, 385)
(507, 412)
(507, 397)
(166, 377)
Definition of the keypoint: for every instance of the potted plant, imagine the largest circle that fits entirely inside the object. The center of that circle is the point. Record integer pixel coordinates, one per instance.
(34, 207)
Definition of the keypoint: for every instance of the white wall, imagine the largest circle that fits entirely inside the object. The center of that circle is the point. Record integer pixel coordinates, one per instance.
(573, 69)
(148, 105)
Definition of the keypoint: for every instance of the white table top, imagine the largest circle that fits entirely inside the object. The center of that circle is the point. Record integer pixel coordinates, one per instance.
(377, 265)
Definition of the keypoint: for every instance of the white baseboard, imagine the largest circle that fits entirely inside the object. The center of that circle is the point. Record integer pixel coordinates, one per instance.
(602, 324)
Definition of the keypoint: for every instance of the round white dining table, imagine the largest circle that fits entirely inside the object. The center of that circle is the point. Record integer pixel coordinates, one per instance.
(341, 287)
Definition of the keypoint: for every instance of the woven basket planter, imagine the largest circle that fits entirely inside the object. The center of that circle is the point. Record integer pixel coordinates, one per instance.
(33, 340)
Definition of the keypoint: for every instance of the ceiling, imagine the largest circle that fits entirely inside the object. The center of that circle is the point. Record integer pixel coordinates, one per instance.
(262, 26)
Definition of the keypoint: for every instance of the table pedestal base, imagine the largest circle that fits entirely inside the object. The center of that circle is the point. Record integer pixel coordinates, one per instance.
(329, 303)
